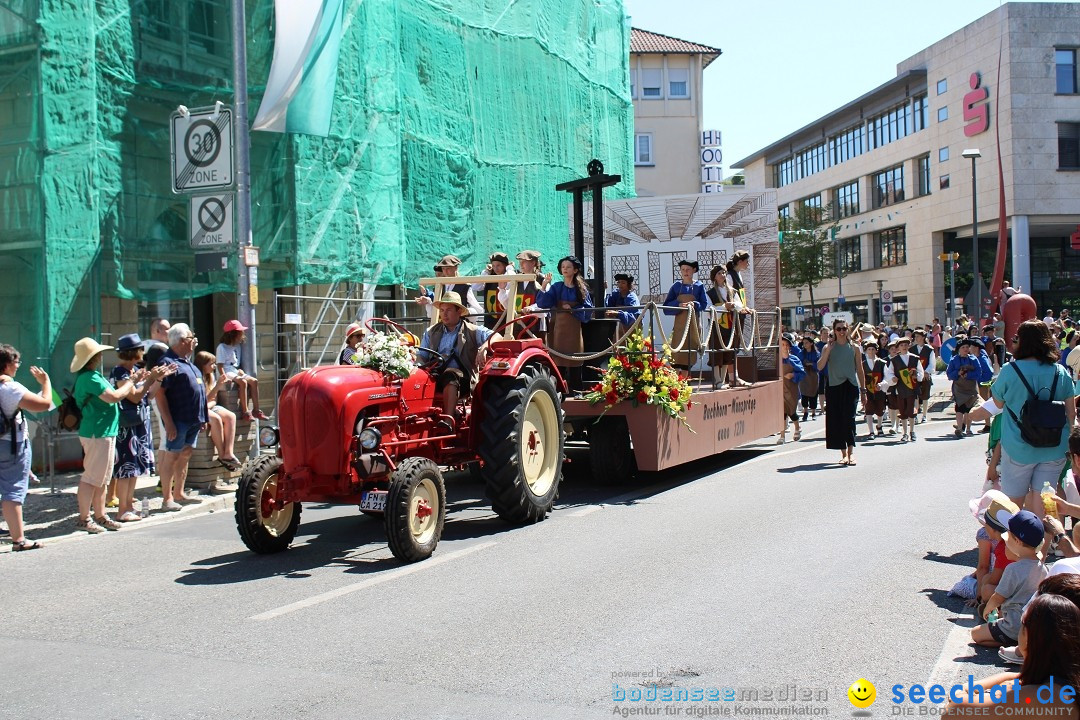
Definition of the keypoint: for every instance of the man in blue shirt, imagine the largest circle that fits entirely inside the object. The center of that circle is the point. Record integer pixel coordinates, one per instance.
(181, 401)
(458, 342)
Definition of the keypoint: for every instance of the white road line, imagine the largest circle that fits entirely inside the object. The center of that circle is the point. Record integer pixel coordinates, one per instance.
(957, 648)
(372, 581)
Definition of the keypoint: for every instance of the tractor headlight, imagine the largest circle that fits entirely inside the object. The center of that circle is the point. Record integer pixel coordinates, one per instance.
(370, 438)
(268, 436)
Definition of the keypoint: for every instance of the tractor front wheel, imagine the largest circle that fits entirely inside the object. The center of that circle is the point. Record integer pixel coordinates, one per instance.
(415, 509)
(521, 444)
(265, 525)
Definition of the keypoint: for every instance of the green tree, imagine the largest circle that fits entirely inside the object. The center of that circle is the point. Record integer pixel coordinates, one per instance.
(807, 249)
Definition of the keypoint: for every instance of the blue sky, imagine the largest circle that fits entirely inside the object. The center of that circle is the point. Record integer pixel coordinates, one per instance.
(786, 63)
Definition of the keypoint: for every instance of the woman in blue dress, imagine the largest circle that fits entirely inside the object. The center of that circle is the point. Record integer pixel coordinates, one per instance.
(570, 303)
(685, 335)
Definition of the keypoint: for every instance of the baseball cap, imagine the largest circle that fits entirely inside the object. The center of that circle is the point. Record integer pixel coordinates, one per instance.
(234, 325)
(1026, 528)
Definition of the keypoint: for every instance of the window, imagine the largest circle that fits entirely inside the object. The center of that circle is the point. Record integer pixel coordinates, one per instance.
(1068, 146)
(651, 82)
(813, 201)
(921, 112)
(1066, 71)
(923, 165)
(943, 182)
(891, 247)
(848, 144)
(888, 186)
(206, 20)
(942, 154)
(802, 164)
(633, 83)
(891, 125)
(643, 149)
(850, 254)
(678, 82)
(784, 211)
(942, 86)
(943, 113)
(846, 201)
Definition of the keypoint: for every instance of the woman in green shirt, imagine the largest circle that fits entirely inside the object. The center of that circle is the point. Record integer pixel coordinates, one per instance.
(846, 383)
(97, 430)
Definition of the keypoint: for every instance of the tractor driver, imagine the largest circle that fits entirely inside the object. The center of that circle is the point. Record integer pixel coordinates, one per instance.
(459, 342)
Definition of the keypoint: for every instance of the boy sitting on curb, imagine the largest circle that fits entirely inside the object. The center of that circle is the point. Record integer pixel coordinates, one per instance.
(993, 556)
(1018, 582)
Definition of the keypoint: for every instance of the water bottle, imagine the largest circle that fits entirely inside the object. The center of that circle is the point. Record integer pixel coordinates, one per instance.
(992, 617)
(144, 509)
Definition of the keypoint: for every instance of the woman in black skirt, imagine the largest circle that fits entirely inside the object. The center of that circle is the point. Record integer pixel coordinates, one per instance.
(846, 384)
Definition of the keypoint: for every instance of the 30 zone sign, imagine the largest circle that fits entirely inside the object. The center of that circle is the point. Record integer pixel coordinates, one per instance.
(202, 149)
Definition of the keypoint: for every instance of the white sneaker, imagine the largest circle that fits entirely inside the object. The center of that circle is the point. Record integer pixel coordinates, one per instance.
(1011, 655)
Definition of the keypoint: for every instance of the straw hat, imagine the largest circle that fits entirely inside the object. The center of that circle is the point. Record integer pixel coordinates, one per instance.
(451, 298)
(85, 349)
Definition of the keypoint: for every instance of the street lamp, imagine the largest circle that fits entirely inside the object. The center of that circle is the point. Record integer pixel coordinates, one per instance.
(974, 153)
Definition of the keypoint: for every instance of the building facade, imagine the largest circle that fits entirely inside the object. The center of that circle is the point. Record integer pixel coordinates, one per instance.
(894, 169)
(665, 84)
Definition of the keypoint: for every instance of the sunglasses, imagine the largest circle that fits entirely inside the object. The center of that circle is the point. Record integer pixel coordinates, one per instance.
(840, 329)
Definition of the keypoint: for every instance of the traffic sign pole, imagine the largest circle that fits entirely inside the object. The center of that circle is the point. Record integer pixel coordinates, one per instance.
(245, 310)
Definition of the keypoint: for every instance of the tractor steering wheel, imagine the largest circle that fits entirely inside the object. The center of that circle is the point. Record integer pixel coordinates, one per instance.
(407, 337)
(435, 358)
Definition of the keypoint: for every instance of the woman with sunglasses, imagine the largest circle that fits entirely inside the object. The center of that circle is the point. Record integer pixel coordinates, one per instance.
(846, 383)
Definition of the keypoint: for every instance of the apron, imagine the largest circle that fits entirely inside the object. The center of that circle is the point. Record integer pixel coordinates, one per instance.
(693, 337)
(964, 390)
(809, 384)
(791, 397)
(565, 335)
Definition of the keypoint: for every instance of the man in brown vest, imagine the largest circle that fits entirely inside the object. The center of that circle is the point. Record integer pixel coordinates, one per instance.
(458, 341)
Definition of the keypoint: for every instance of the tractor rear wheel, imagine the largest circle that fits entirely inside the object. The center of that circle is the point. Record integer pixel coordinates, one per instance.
(521, 444)
(264, 526)
(611, 454)
(415, 509)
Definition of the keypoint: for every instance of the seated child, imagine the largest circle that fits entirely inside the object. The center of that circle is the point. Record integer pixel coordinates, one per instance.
(993, 555)
(1018, 582)
(228, 357)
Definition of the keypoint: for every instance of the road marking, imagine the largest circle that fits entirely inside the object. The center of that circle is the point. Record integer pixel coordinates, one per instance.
(957, 648)
(370, 582)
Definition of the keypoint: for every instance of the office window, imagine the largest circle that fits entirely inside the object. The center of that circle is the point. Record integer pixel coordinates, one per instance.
(812, 201)
(888, 186)
(943, 182)
(643, 154)
(784, 211)
(1066, 71)
(1068, 146)
(850, 254)
(891, 247)
(846, 201)
(678, 82)
(942, 154)
(923, 165)
(921, 112)
(848, 144)
(943, 113)
(206, 21)
(633, 83)
(942, 86)
(651, 82)
(890, 125)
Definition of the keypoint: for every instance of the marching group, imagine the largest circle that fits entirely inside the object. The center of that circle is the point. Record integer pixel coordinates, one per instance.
(112, 413)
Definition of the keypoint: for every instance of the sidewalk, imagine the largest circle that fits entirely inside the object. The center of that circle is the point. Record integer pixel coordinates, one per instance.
(50, 517)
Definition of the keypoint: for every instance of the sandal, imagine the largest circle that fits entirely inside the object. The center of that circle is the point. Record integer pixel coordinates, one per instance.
(130, 516)
(230, 464)
(796, 436)
(245, 417)
(25, 544)
(260, 415)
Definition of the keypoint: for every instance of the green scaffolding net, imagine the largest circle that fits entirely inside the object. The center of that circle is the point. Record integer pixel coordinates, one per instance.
(453, 121)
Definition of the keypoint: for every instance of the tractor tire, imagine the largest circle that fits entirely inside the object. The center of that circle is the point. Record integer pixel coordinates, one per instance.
(611, 456)
(263, 529)
(521, 444)
(415, 509)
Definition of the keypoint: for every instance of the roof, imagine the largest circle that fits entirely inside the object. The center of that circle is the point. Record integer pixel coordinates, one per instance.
(917, 75)
(645, 42)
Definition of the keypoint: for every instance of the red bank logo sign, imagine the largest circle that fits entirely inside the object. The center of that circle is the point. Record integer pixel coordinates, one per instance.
(976, 111)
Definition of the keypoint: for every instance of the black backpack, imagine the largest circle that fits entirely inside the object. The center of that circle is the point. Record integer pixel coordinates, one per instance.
(69, 414)
(10, 425)
(1040, 421)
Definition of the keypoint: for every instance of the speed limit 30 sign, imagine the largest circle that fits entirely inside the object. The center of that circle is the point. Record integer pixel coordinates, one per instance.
(202, 149)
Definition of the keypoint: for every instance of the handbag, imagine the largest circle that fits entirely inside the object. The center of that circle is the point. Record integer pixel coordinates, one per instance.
(132, 415)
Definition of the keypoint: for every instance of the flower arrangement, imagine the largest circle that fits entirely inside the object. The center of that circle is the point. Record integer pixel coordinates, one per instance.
(386, 353)
(641, 376)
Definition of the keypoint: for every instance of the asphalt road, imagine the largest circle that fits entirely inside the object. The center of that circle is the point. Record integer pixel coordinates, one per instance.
(765, 568)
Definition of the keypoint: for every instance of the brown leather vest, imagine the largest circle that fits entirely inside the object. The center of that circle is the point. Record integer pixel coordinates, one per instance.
(465, 348)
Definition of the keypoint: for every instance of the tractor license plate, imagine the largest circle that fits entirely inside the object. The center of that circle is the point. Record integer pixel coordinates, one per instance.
(373, 500)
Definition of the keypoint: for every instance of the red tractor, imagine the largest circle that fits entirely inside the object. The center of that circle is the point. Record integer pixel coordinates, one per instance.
(350, 435)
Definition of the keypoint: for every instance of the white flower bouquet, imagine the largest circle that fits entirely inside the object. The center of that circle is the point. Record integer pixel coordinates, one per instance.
(385, 353)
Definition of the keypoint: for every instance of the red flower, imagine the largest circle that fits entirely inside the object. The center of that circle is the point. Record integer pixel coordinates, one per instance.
(642, 397)
(689, 404)
(639, 365)
(655, 364)
(612, 398)
(674, 393)
(597, 387)
(623, 361)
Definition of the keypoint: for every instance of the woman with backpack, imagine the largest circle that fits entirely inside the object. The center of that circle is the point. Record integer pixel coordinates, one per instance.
(1037, 394)
(15, 443)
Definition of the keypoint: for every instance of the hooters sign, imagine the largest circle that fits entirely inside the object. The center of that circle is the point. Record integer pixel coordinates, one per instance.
(976, 107)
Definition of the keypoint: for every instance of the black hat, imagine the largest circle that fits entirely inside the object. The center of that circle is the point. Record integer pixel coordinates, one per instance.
(573, 259)
(499, 257)
(129, 342)
(624, 276)
(740, 256)
(691, 263)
